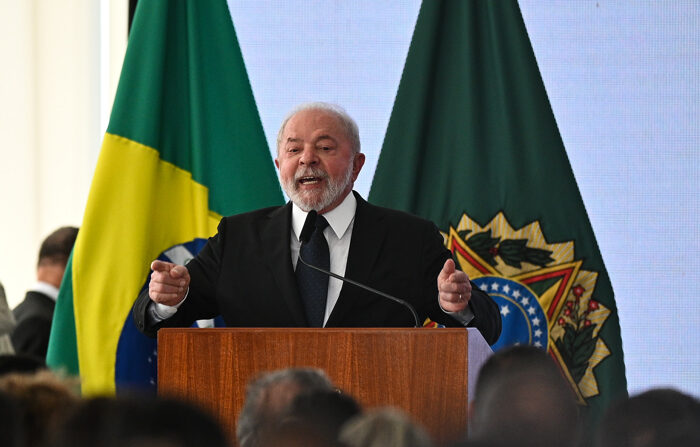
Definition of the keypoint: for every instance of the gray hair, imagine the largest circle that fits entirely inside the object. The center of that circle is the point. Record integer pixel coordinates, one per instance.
(384, 427)
(257, 414)
(349, 124)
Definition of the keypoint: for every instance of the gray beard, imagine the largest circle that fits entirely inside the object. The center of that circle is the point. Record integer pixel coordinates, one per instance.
(329, 195)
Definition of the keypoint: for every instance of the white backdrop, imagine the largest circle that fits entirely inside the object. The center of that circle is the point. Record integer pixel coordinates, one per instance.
(622, 78)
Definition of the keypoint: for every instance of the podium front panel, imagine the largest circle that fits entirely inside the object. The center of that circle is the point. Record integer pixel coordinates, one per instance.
(425, 372)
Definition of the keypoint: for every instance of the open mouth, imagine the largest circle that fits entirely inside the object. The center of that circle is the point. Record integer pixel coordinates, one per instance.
(309, 180)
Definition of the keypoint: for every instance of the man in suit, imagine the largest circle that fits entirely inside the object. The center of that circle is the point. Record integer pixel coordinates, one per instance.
(35, 313)
(246, 272)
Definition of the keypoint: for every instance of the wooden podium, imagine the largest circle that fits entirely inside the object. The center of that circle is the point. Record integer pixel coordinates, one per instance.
(429, 373)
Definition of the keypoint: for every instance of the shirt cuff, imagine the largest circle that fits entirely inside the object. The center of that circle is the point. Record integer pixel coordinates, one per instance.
(158, 312)
(464, 316)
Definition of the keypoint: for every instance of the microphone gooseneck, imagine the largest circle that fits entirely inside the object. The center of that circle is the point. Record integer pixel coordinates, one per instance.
(308, 228)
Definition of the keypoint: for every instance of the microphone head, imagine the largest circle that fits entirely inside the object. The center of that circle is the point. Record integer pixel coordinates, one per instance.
(308, 228)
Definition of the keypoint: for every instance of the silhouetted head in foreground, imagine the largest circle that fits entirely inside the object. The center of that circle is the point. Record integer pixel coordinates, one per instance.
(522, 399)
(140, 422)
(660, 417)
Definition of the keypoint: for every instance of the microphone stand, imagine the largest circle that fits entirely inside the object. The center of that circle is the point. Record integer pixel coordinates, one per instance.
(362, 286)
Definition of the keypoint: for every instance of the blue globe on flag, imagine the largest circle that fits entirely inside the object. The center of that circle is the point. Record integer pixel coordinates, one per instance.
(522, 316)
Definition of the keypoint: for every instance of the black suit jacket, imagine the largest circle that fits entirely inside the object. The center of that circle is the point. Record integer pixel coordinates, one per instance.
(33, 316)
(245, 274)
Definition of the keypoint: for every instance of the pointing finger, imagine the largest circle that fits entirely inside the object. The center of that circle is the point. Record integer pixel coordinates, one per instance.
(447, 269)
(161, 266)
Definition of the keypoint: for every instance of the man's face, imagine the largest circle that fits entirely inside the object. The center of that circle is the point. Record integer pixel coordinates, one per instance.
(316, 162)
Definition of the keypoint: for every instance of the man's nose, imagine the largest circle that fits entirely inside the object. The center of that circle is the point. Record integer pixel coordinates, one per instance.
(308, 157)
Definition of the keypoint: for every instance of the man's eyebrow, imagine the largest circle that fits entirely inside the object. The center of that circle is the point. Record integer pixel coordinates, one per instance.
(293, 140)
(324, 137)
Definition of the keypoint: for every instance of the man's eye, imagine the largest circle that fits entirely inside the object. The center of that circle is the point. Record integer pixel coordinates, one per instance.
(326, 148)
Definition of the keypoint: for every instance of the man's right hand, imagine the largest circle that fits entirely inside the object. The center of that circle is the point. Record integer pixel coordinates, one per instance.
(169, 283)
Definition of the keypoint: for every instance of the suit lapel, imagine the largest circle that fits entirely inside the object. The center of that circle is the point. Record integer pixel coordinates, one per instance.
(274, 235)
(365, 246)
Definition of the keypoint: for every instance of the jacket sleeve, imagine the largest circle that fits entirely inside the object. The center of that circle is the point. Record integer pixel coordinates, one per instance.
(487, 318)
(200, 302)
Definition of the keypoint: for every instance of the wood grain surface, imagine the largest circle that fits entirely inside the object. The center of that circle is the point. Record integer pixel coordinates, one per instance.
(422, 371)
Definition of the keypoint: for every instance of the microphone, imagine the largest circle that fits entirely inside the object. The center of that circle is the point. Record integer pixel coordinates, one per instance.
(307, 229)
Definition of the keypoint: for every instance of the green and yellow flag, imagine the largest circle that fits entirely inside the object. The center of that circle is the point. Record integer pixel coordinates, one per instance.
(473, 145)
(184, 146)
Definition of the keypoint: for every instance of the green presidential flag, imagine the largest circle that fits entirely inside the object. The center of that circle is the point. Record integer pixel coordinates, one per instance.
(184, 146)
(472, 144)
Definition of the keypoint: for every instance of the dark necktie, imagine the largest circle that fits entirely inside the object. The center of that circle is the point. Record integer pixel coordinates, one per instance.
(313, 285)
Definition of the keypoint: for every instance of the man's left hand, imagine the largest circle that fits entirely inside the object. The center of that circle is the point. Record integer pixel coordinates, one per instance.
(454, 288)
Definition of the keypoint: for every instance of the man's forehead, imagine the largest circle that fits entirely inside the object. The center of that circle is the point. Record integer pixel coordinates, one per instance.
(313, 125)
(314, 119)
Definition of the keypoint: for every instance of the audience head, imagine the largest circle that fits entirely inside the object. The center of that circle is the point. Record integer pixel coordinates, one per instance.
(10, 421)
(139, 422)
(43, 400)
(268, 398)
(316, 416)
(54, 254)
(384, 428)
(522, 398)
(57, 246)
(296, 434)
(660, 417)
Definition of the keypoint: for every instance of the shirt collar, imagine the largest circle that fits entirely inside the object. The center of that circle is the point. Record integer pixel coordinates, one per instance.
(45, 288)
(338, 218)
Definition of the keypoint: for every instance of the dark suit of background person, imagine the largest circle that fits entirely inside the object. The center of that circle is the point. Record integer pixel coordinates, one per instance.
(34, 316)
(245, 274)
(35, 313)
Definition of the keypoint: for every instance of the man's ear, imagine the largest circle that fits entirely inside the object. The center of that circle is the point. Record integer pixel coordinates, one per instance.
(357, 163)
(277, 164)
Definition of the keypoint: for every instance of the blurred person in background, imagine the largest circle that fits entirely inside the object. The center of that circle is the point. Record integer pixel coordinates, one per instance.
(385, 427)
(313, 418)
(521, 398)
(42, 401)
(35, 314)
(656, 418)
(135, 421)
(268, 398)
(10, 421)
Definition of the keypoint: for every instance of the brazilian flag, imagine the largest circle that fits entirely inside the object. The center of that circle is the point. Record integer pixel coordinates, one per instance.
(184, 147)
(472, 144)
